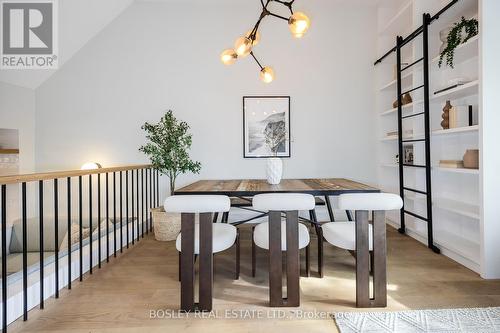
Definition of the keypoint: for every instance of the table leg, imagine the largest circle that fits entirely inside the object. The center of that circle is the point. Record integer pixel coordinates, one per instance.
(187, 261)
(206, 263)
(275, 260)
(362, 260)
(292, 259)
(379, 259)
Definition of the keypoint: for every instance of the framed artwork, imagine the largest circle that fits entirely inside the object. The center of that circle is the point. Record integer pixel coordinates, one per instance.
(266, 126)
(408, 154)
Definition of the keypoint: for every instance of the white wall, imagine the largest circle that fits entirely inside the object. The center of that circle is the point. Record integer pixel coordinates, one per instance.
(17, 111)
(157, 56)
(489, 138)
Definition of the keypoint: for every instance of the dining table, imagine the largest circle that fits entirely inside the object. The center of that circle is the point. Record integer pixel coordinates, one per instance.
(318, 187)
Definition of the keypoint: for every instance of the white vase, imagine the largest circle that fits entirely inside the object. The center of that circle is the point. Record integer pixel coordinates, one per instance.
(274, 170)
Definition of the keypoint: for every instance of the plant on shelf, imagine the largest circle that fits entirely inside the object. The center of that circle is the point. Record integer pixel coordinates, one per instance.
(459, 34)
(169, 142)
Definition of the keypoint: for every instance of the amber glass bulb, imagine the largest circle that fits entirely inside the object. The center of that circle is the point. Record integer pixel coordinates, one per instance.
(257, 37)
(298, 24)
(228, 57)
(267, 74)
(243, 46)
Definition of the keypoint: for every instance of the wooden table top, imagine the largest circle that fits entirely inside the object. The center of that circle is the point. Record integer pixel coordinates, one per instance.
(250, 187)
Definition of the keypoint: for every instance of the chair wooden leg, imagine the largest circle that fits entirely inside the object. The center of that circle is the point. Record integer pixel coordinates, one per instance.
(319, 234)
(237, 255)
(216, 216)
(254, 258)
(372, 259)
(308, 265)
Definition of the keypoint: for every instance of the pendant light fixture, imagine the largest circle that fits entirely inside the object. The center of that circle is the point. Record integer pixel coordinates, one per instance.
(298, 23)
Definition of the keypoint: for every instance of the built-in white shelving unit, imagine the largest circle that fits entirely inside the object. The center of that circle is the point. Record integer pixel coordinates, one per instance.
(455, 191)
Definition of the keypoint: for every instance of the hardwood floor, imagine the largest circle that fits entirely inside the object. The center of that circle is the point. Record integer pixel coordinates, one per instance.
(120, 296)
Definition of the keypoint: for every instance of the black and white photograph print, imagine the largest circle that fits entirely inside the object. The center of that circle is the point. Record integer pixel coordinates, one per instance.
(266, 126)
(408, 154)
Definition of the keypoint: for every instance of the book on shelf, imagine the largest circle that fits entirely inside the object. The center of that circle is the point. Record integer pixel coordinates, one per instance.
(406, 133)
(454, 164)
(462, 116)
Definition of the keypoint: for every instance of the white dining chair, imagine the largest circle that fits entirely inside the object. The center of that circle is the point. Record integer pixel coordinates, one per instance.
(277, 236)
(201, 238)
(345, 235)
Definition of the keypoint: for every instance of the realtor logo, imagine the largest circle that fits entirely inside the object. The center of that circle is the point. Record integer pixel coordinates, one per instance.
(29, 34)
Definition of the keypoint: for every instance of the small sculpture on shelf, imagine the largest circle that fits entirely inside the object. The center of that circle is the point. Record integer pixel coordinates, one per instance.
(445, 123)
(405, 100)
(471, 159)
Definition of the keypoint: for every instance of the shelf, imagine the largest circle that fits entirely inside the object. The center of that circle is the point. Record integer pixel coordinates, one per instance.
(458, 207)
(463, 53)
(395, 138)
(457, 170)
(390, 138)
(394, 110)
(450, 205)
(4, 151)
(400, 22)
(465, 90)
(456, 130)
(464, 247)
(405, 80)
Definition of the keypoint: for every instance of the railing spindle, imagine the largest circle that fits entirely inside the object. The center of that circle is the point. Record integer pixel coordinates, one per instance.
(25, 252)
(90, 225)
(99, 219)
(147, 222)
(4, 258)
(126, 204)
(80, 221)
(137, 185)
(107, 217)
(150, 199)
(142, 203)
(99, 257)
(121, 212)
(157, 188)
(114, 213)
(56, 236)
(132, 202)
(40, 234)
(69, 232)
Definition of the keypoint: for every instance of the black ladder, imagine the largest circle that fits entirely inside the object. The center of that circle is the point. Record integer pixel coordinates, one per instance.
(400, 42)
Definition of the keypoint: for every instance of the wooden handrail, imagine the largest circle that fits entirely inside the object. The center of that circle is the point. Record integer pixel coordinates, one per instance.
(22, 178)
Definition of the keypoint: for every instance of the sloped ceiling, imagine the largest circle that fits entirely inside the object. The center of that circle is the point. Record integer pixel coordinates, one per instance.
(79, 21)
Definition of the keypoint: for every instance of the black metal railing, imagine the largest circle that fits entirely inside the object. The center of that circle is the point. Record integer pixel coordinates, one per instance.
(147, 184)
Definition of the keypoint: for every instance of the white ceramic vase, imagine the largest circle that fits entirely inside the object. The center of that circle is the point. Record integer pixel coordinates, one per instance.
(274, 170)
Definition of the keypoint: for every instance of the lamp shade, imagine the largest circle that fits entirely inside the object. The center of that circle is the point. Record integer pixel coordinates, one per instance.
(90, 166)
(228, 57)
(243, 46)
(298, 24)
(267, 74)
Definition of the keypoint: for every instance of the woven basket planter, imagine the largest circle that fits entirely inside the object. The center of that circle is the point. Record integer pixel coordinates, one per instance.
(166, 225)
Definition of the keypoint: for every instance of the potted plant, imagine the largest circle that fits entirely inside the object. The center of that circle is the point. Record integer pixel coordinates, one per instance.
(460, 33)
(275, 134)
(167, 148)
